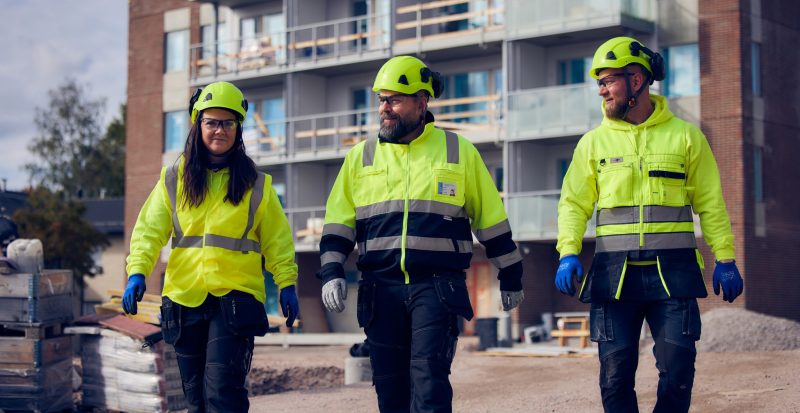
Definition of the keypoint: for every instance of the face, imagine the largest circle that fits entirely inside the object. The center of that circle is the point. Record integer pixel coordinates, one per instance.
(400, 114)
(614, 90)
(218, 127)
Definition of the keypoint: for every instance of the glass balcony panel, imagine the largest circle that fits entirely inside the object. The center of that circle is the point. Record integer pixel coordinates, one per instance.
(526, 18)
(306, 225)
(440, 19)
(534, 215)
(553, 111)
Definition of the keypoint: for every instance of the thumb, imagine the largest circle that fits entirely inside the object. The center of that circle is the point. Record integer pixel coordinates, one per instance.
(715, 283)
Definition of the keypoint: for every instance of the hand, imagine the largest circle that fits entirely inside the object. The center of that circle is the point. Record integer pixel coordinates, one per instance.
(334, 292)
(511, 299)
(727, 274)
(289, 304)
(133, 293)
(568, 266)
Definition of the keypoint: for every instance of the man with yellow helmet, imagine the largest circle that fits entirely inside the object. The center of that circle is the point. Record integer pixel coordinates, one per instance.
(410, 199)
(646, 171)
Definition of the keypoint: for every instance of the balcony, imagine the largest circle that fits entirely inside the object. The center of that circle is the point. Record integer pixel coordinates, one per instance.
(447, 24)
(330, 43)
(330, 135)
(534, 215)
(546, 112)
(583, 19)
(306, 225)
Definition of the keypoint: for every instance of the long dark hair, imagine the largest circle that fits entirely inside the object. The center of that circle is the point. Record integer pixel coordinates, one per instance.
(242, 169)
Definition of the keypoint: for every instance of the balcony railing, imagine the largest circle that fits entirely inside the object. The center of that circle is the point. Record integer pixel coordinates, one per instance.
(432, 20)
(476, 117)
(306, 225)
(553, 111)
(528, 18)
(331, 39)
(534, 215)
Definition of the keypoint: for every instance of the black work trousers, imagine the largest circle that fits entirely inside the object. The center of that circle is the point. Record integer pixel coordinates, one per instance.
(412, 336)
(616, 327)
(213, 360)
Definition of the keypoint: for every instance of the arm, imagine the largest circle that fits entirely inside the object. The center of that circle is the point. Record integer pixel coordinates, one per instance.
(151, 231)
(489, 220)
(705, 195)
(277, 244)
(339, 233)
(578, 197)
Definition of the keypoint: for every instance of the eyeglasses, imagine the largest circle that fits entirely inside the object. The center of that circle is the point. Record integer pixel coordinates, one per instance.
(394, 100)
(213, 124)
(608, 80)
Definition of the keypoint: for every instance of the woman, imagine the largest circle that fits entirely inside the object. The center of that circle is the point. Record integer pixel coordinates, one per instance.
(222, 216)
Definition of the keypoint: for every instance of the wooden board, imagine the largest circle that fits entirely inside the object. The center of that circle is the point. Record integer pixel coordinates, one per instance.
(17, 352)
(36, 309)
(53, 375)
(24, 285)
(32, 331)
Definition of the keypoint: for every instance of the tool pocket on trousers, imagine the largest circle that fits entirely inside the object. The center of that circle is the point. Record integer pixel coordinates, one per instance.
(600, 323)
(454, 295)
(691, 318)
(170, 320)
(243, 314)
(366, 302)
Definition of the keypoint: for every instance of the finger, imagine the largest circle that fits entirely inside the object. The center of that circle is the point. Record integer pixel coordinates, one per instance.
(344, 290)
(326, 299)
(337, 300)
(139, 293)
(134, 308)
(290, 316)
(716, 287)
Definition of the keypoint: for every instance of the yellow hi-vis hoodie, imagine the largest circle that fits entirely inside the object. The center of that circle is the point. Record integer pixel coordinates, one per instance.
(645, 180)
(217, 246)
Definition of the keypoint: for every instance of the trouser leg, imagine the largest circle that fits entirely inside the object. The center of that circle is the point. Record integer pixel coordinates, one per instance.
(228, 361)
(615, 327)
(190, 350)
(675, 325)
(434, 333)
(388, 335)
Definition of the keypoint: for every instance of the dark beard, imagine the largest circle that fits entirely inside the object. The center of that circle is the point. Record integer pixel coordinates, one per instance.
(617, 112)
(401, 128)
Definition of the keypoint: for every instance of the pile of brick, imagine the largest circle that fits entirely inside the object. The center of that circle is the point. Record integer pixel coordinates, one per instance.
(35, 355)
(122, 369)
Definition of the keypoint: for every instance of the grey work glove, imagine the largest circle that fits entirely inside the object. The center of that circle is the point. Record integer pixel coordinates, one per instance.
(334, 292)
(511, 299)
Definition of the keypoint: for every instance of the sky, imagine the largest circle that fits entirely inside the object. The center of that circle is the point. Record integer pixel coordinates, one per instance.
(44, 43)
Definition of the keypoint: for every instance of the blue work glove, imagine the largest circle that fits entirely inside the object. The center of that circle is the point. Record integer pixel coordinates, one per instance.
(727, 275)
(567, 267)
(133, 293)
(289, 304)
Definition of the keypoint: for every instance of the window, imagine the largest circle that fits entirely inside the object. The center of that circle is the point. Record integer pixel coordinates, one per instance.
(176, 127)
(758, 173)
(574, 71)
(266, 119)
(755, 57)
(471, 84)
(176, 51)
(208, 39)
(264, 34)
(683, 71)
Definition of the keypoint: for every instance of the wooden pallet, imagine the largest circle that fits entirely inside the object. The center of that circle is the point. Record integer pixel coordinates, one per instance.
(567, 330)
(32, 330)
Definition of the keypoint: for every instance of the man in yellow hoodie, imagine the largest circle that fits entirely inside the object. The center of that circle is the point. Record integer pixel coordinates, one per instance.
(646, 171)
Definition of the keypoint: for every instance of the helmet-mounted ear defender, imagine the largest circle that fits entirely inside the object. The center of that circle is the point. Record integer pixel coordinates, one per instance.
(656, 61)
(193, 99)
(435, 78)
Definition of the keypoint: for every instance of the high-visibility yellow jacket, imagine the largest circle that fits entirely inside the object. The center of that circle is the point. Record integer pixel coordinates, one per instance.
(411, 209)
(645, 180)
(217, 246)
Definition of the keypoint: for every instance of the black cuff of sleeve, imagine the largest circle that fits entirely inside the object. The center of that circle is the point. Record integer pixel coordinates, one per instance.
(511, 277)
(330, 271)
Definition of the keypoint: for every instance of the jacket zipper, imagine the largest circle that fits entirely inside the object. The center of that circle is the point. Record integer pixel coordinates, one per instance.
(405, 216)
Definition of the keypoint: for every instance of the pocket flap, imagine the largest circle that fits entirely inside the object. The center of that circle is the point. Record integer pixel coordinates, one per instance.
(455, 296)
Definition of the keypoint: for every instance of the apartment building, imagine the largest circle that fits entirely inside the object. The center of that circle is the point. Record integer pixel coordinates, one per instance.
(516, 85)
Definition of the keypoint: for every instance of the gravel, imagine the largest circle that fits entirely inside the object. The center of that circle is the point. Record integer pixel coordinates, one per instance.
(739, 330)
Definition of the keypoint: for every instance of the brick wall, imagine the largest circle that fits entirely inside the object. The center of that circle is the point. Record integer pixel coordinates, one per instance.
(145, 123)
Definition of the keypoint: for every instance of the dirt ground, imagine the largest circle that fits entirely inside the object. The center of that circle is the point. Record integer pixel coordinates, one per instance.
(762, 381)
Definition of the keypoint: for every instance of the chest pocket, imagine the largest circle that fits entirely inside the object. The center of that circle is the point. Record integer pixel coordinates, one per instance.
(668, 183)
(614, 184)
(449, 185)
(371, 185)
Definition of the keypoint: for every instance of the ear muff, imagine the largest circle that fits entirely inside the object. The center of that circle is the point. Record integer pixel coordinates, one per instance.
(192, 101)
(656, 61)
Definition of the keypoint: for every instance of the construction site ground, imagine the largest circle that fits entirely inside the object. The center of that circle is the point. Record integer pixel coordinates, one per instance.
(752, 381)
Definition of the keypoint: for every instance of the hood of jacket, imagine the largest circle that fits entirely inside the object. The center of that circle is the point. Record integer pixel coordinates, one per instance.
(661, 114)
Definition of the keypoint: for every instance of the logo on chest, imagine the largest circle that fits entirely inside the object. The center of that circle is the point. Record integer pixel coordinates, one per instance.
(446, 188)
